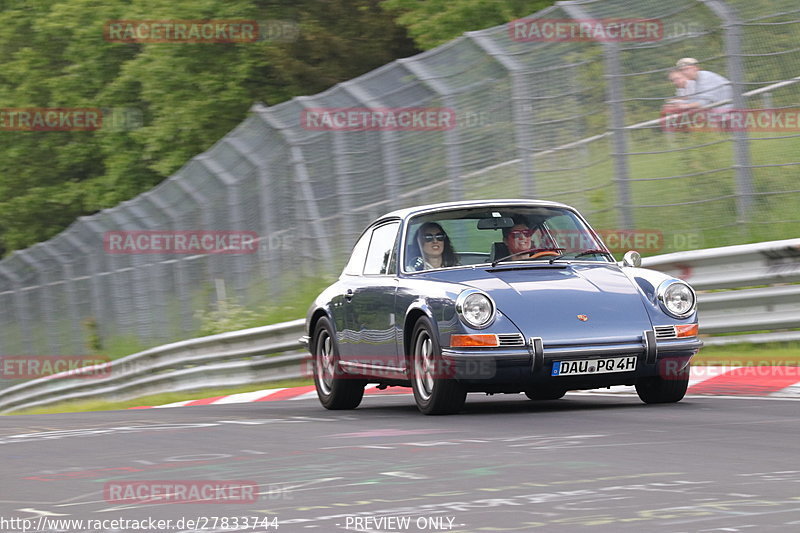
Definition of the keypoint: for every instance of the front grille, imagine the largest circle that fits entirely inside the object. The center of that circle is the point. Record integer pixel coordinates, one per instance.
(665, 332)
(510, 339)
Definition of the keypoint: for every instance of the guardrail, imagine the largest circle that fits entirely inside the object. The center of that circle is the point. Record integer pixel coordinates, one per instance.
(263, 354)
(745, 288)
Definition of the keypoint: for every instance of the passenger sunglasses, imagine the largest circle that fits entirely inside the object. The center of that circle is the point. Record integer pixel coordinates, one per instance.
(437, 237)
(520, 233)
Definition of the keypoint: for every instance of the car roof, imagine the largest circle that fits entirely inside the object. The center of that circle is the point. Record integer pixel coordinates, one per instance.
(446, 206)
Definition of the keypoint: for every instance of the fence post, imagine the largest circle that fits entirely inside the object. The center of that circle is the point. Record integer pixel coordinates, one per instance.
(451, 146)
(97, 302)
(69, 291)
(614, 100)
(741, 146)
(303, 181)
(135, 298)
(22, 315)
(231, 188)
(388, 148)
(45, 313)
(267, 257)
(522, 113)
(342, 171)
(201, 201)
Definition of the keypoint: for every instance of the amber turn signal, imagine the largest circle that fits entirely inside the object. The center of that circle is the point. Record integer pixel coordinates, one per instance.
(686, 330)
(461, 341)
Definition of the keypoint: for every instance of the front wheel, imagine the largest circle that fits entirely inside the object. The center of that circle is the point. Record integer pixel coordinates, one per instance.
(335, 389)
(435, 390)
(664, 389)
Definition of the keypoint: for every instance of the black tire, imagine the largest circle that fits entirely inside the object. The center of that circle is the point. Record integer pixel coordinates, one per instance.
(659, 389)
(543, 393)
(335, 389)
(435, 392)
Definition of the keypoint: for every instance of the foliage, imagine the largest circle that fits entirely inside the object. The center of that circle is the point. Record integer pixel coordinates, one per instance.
(230, 315)
(187, 95)
(434, 22)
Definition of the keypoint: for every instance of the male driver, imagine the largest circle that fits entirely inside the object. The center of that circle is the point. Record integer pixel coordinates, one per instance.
(709, 87)
(518, 240)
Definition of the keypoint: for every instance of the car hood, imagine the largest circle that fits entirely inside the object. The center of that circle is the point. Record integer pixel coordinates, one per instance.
(547, 302)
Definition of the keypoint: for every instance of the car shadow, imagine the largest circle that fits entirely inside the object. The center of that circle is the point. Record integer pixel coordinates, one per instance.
(510, 404)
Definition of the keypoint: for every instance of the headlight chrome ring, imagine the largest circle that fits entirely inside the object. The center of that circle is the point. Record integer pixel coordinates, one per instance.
(677, 298)
(475, 308)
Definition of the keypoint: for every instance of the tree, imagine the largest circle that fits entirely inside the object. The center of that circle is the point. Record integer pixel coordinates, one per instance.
(187, 95)
(434, 22)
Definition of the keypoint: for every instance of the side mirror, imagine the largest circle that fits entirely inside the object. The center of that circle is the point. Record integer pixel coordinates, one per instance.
(632, 258)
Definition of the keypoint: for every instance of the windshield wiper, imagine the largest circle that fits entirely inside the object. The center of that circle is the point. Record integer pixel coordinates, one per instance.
(531, 251)
(585, 252)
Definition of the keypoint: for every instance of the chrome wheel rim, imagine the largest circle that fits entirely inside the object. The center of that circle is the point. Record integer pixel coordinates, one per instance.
(424, 364)
(325, 362)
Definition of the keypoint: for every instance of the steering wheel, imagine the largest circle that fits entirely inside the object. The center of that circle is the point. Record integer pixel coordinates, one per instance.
(542, 254)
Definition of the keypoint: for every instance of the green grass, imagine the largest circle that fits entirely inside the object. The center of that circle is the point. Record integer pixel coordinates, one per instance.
(772, 354)
(155, 399)
(231, 316)
(709, 217)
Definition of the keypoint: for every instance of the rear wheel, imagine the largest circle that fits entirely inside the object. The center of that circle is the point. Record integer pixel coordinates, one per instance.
(664, 389)
(434, 390)
(335, 389)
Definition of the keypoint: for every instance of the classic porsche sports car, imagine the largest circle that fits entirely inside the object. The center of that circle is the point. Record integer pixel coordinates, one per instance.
(440, 298)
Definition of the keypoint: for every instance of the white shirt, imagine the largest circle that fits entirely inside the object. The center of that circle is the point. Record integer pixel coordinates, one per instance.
(710, 87)
(680, 92)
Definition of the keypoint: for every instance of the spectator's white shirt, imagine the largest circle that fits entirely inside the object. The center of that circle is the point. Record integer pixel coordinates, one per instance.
(685, 91)
(710, 87)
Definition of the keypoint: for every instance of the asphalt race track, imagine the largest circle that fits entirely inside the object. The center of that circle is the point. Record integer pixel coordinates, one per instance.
(588, 462)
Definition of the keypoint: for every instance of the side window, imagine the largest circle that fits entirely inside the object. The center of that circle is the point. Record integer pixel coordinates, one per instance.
(356, 264)
(380, 257)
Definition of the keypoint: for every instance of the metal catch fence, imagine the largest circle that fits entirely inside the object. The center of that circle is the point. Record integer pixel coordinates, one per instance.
(551, 119)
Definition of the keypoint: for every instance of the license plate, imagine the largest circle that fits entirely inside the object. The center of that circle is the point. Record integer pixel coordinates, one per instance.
(606, 365)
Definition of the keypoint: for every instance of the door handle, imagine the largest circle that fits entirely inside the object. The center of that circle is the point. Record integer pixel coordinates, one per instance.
(348, 295)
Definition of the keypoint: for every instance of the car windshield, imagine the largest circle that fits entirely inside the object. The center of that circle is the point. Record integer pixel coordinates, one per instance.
(499, 234)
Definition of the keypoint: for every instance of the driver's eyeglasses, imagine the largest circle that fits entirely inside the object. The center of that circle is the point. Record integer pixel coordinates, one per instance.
(521, 233)
(437, 237)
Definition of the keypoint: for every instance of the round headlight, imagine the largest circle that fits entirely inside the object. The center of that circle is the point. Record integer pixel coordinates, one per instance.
(475, 308)
(678, 299)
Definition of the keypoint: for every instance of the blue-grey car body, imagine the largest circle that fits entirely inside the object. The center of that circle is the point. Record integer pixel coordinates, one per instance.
(539, 301)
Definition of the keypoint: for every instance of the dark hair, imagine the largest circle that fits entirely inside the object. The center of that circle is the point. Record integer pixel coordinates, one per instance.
(449, 257)
(518, 219)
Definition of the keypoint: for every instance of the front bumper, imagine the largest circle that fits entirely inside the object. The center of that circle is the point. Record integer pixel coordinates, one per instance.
(533, 363)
